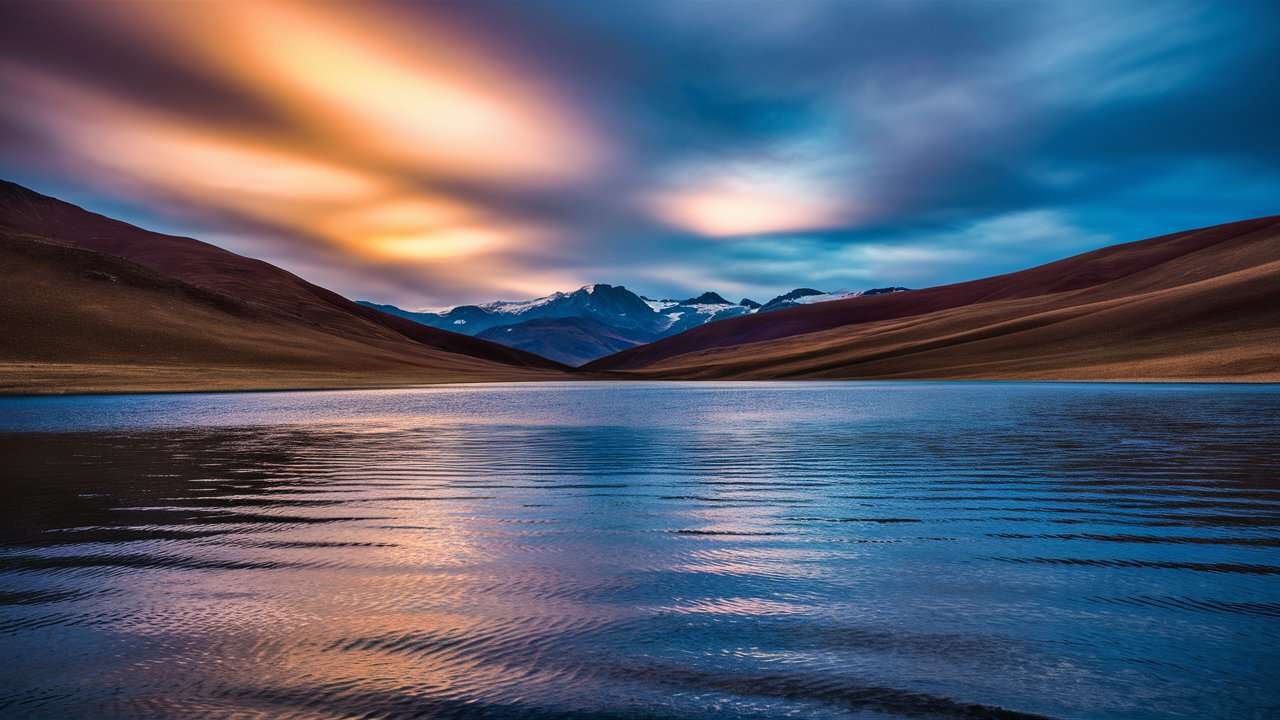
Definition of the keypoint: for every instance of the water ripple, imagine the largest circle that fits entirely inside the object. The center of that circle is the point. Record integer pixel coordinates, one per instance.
(921, 550)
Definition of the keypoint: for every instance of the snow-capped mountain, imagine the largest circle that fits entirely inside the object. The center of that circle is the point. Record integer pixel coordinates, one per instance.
(692, 312)
(611, 304)
(809, 296)
(595, 320)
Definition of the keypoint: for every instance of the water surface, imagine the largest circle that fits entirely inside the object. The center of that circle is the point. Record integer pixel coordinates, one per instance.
(623, 550)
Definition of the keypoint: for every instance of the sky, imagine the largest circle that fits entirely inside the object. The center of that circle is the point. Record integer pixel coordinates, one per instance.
(442, 153)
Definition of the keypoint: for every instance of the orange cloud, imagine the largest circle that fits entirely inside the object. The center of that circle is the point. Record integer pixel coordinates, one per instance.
(425, 101)
(375, 111)
(789, 188)
(375, 114)
(362, 211)
(415, 228)
(181, 157)
(726, 212)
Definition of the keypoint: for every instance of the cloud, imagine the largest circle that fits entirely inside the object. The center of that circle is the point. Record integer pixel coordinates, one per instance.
(374, 124)
(441, 153)
(421, 99)
(915, 258)
(1026, 228)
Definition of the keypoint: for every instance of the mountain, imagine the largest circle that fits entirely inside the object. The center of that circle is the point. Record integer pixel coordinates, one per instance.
(95, 304)
(809, 296)
(789, 299)
(706, 298)
(620, 319)
(1197, 305)
(694, 312)
(571, 340)
(613, 305)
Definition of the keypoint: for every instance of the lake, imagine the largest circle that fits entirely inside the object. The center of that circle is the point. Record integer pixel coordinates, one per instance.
(637, 550)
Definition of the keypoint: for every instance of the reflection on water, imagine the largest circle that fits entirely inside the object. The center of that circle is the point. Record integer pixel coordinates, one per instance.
(643, 550)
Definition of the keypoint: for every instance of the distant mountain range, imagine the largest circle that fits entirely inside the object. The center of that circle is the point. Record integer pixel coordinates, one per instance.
(598, 320)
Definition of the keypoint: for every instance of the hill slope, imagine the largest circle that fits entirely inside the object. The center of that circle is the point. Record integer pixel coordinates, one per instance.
(1201, 304)
(93, 303)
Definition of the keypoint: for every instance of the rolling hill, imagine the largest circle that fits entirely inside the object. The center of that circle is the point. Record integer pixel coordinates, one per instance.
(1197, 305)
(95, 304)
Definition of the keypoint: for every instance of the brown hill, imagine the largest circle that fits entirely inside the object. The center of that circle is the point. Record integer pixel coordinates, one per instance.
(1202, 304)
(95, 304)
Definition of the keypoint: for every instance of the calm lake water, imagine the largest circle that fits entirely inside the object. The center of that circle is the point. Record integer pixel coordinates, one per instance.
(625, 550)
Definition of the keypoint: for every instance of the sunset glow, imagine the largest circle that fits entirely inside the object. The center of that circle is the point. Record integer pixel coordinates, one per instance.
(423, 102)
(431, 154)
(743, 211)
(379, 118)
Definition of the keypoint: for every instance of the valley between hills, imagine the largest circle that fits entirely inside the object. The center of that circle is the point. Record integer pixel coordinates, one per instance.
(92, 304)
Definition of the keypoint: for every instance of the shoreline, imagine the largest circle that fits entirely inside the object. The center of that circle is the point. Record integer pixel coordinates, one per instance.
(107, 390)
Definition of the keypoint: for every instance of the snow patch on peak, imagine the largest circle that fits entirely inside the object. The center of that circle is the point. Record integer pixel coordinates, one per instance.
(518, 307)
(846, 294)
(711, 308)
(826, 297)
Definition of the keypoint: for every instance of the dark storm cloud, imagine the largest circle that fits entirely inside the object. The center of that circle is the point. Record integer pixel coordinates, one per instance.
(743, 146)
